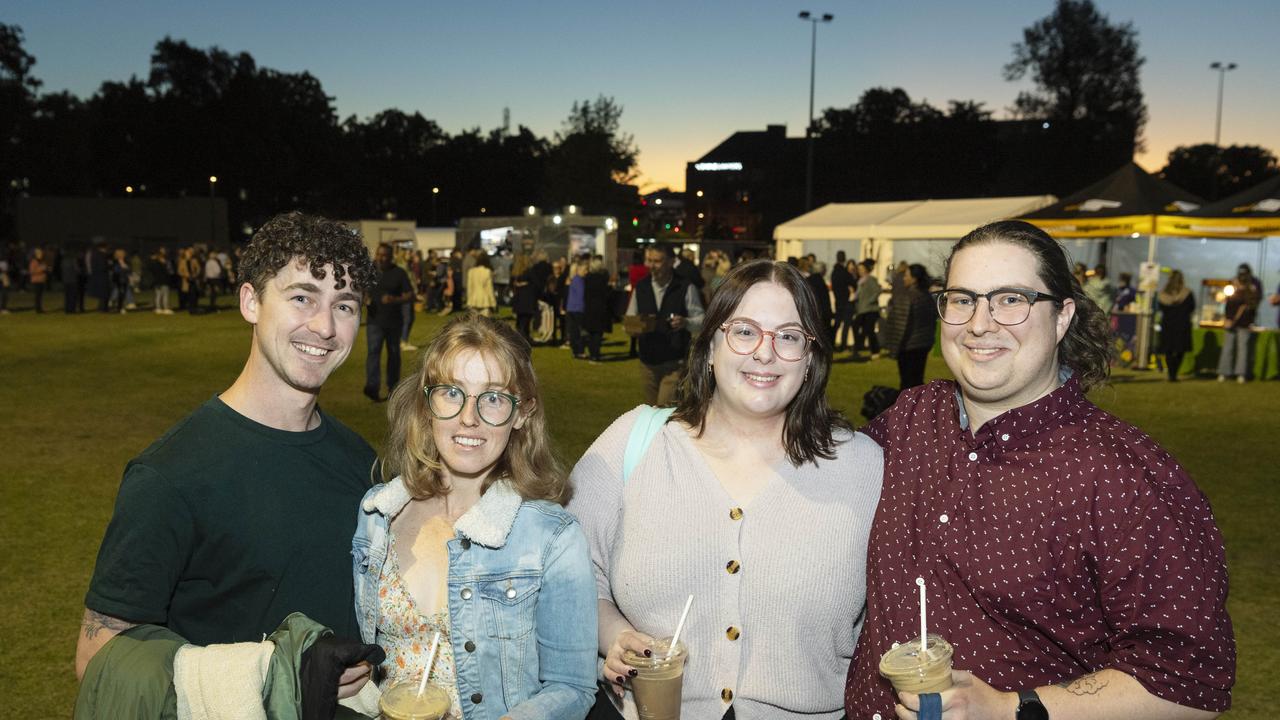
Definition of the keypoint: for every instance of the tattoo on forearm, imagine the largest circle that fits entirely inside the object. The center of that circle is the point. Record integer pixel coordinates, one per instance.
(1090, 684)
(96, 622)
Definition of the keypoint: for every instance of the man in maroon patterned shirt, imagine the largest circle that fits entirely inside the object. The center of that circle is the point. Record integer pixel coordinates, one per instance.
(1071, 562)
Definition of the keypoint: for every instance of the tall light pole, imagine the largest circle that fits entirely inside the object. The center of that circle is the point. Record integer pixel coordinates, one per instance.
(808, 130)
(213, 182)
(435, 193)
(1223, 69)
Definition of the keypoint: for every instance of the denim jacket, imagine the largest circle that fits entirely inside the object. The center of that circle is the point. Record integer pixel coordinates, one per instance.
(522, 602)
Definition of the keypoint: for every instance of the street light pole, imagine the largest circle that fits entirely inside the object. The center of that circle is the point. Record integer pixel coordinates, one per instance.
(435, 193)
(808, 130)
(1223, 69)
(213, 181)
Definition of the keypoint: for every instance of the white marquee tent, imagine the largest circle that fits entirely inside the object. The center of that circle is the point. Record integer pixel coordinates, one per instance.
(917, 231)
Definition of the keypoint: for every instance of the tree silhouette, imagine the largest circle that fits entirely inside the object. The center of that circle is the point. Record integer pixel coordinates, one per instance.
(1214, 172)
(591, 161)
(1084, 68)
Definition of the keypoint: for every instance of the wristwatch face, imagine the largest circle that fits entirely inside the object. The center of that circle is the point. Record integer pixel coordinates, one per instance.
(1031, 709)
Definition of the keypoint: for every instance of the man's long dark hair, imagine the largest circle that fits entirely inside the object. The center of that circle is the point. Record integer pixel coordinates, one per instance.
(807, 432)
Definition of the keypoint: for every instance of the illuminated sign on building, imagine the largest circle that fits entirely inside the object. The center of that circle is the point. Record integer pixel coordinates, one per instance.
(716, 166)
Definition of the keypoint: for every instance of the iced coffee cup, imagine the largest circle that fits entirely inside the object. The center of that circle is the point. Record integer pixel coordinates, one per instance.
(658, 681)
(915, 672)
(401, 701)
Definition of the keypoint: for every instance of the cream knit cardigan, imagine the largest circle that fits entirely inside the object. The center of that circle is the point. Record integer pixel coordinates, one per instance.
(779, 587)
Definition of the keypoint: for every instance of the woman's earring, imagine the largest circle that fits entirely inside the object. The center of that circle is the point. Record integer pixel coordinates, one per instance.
(806, 372)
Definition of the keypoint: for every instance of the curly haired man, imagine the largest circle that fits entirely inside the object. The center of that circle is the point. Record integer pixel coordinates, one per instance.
(241, 513)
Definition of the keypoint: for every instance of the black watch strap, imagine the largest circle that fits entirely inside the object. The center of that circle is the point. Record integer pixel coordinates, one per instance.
(1030, 707)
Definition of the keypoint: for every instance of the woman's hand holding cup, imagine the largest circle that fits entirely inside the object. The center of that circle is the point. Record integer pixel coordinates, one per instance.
(616, 671)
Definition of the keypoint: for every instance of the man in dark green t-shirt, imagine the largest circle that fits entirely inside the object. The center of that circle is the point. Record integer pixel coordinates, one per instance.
(243, 512)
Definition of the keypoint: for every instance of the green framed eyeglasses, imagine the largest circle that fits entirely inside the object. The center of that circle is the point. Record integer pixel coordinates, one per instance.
(493, 407)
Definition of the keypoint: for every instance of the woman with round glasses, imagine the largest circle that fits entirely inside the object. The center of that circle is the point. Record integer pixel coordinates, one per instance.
(755, 496)
(468, 537)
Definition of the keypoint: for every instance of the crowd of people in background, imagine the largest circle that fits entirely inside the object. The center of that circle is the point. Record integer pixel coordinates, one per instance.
(116, 277)
(573, 301)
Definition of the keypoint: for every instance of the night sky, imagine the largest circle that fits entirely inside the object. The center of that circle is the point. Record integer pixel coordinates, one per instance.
(688, 74)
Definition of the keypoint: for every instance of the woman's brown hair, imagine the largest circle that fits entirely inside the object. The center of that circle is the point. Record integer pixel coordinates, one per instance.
(528, 461)
(810, 421)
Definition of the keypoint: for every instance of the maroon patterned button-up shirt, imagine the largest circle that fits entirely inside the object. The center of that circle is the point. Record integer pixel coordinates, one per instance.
(1055, 542)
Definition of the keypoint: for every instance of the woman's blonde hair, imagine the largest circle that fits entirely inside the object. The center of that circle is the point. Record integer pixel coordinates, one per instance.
(528, 461)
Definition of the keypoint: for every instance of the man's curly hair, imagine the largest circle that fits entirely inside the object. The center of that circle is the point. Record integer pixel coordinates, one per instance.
(316, 241)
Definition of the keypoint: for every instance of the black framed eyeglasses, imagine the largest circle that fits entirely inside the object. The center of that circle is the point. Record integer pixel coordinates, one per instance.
(1008, 306)
(493, 407)
(744, 337)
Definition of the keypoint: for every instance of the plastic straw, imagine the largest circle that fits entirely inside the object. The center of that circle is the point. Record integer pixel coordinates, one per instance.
(923, 628)
(679, 627)
(431, 660)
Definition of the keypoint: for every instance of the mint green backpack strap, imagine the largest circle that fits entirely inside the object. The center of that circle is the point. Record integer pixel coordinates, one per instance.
(649, 421)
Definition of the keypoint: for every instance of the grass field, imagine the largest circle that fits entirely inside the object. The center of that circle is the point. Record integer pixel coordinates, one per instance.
(80, 395)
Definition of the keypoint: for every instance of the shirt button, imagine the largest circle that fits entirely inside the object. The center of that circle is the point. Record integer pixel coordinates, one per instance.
(511, 593)
(1005, 437)
(469, 646)
(733, 567)
(732, 633)
(466, 544)
(943, 517)
(726, 695)
(476, 698)
(973, 456)
(735, 514)
(875, 716)
(466, 593)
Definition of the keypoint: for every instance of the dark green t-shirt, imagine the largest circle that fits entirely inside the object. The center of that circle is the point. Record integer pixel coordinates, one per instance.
(225, 526)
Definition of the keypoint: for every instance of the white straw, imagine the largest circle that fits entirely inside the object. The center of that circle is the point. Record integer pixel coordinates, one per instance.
(923, 627)
(431, 659)
(679, 626)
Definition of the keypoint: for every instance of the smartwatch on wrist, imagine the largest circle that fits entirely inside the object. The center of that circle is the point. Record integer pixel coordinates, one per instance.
(1030, 707)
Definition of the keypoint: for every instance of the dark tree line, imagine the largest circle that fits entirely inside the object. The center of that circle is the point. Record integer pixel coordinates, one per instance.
(274, 141)
(1082, 119)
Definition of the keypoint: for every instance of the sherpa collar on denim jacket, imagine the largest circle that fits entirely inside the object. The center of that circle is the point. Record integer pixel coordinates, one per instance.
(488, 522)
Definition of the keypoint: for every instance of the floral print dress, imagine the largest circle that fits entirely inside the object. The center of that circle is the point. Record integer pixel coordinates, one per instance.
(406, 634)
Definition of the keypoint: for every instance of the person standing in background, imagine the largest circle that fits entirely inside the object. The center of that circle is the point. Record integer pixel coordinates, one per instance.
(480, 294)
(1126, 293)
(391, 290)
(575, 305)
(842, 284)
(406, 262)
(69, 273)
(1241, 311)
(213, 279)
(1176, 308)
(557, 288)
(161, 271)
(866, 308)
(910, 328)
(597, 317)
(636, 272)
(1275, 301)
(100, 276)
(501, 262)
(38, 274)
(4, 285)
(675, 307)
(821, 295)
(1100, 290)
(120, 279)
